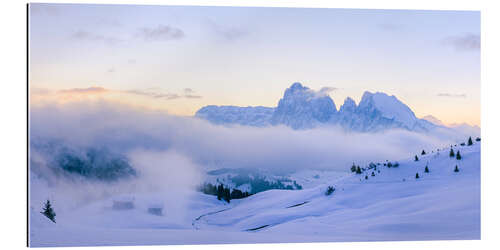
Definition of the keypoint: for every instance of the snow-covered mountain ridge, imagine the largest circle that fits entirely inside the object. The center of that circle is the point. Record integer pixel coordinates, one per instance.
(303, 108)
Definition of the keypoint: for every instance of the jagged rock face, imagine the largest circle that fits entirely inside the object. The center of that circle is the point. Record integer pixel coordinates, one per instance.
(388, 107)
(349, 106)
(302, 108)
(378, 111)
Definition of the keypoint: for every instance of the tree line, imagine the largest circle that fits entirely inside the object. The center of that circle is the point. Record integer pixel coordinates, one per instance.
(222, 192)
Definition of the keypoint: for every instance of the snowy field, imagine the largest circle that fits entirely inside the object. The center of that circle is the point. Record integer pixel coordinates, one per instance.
(392, 205)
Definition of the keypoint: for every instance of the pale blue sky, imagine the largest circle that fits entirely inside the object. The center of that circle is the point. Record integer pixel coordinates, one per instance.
(248, 56)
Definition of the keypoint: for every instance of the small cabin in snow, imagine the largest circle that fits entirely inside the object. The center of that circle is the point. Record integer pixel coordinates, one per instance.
(155, 209)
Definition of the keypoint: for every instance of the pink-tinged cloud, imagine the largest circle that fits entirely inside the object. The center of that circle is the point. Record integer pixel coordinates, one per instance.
(89, 90)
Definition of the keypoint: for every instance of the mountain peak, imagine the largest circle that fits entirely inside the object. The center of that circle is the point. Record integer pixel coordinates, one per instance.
(302, 107)
(297, 85)
(389, 107)
(348, 106)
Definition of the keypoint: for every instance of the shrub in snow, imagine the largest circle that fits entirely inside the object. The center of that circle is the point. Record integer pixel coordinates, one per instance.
(366, 177)
(459, 157)
(456, 169)
(416, 176)
(452, 153)
(426, 169)
(416, 158)
(49, 212)
(329, 190)
(373, 173)
(478, 139)
(423, 152)
(469, 143)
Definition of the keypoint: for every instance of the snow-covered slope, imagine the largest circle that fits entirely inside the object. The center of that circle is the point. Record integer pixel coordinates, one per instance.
(303, 108)
(390, 204)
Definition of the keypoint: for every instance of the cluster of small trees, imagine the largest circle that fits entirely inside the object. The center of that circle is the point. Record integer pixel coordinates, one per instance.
(356, 169)
(359, 170)
(452, 154)
(392, 165)
(223, 193)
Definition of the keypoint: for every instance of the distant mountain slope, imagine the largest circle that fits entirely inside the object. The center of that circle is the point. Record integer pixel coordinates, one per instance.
(303, 108)
(433, 119)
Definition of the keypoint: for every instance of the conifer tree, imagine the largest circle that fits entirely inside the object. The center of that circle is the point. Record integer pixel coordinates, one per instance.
(358, 170)
(456, 169)
(423, 152)
(459, 157)
(452, 153)
(366, 177)
(469, 143)
(416, 176)
(49, 211)
(426, 169)
(416, 158)
(353, 168)
(373, 173)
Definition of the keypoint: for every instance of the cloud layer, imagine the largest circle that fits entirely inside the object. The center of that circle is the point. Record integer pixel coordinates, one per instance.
(464, 42)
(274, 148)
(452, 95)
(155, 93)
(90, 36)
(160, 33)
